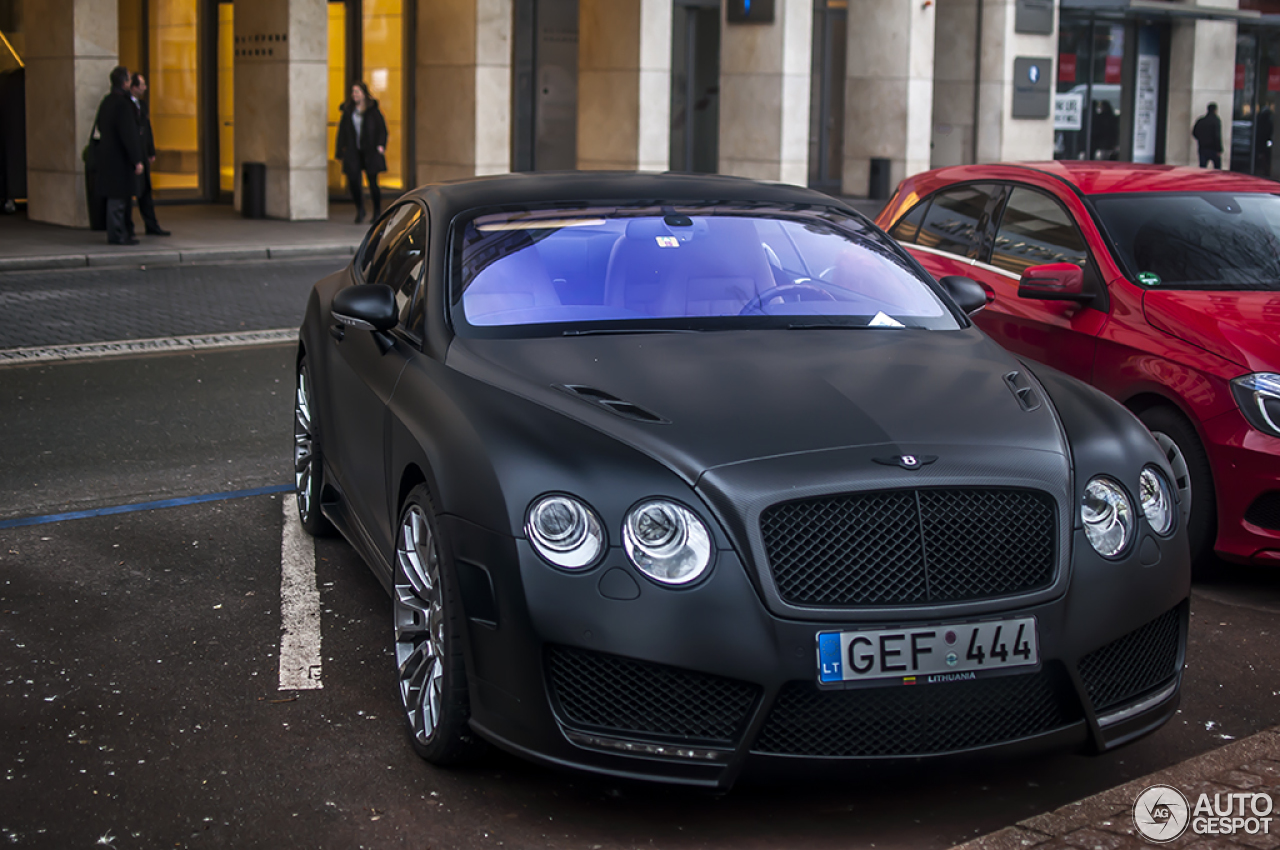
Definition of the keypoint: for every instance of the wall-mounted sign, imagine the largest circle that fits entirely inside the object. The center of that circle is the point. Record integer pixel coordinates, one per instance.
(1034, 17)
(749, 12)
(1032, 87)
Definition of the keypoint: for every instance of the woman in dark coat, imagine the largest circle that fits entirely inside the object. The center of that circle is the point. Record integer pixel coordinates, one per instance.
(362, 145)
(119, 156)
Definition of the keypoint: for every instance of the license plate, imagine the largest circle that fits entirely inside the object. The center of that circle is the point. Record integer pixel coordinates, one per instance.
(927, 654)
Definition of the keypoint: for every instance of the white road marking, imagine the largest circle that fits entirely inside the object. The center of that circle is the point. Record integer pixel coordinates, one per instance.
(299, 606)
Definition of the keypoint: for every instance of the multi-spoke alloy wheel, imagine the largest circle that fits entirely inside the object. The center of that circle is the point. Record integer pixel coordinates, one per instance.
(308, 473)
(1192, 477)
(429, 664)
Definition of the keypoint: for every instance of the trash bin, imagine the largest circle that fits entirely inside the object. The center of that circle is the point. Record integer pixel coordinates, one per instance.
(253, 189)
(879, 188)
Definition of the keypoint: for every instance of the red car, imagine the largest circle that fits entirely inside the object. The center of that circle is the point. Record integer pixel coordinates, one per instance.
(1158, 285)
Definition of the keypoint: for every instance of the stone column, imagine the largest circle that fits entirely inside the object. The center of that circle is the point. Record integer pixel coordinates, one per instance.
(72, 45)
(281, 102)
(1202, 60)
(889, 90)
(463, 88)
(624, 84)
(764, 93)
(1001, 137)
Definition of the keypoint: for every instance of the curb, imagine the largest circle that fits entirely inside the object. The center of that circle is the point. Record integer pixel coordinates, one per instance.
(1109, 814)
(126, 257)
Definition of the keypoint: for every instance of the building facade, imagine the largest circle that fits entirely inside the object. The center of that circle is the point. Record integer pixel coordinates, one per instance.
(848, 96)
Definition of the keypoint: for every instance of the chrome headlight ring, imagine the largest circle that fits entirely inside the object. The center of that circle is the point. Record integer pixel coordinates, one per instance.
(1108, 518)
(565, 531)
(667, 542)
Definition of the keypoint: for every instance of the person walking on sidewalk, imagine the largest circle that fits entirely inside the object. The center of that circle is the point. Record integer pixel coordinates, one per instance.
(146, 203)
(1208, 135)
(119, 156)
(362, 147)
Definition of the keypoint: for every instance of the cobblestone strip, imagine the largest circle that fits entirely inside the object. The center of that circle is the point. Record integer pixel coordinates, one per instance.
(1105, 820)
(86, 351)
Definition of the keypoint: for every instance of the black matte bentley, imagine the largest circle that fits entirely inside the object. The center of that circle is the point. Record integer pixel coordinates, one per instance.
(673, 477)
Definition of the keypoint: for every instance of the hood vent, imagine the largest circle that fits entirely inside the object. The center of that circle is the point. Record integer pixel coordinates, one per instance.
(1023, 391)
(613, 404)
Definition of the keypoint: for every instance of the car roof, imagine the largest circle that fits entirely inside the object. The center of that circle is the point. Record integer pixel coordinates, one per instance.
(609, 187)
(1101, 178)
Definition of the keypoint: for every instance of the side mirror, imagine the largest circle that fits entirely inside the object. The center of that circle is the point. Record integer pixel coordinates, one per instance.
(1054, 282)
(371, 307)
(969, 295)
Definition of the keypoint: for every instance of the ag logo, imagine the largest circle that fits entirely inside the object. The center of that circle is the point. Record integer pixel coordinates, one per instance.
(1161, 814)
(911, 462)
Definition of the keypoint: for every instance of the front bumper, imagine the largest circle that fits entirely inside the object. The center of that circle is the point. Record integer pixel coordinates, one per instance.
(1246, 469)
(611, 673)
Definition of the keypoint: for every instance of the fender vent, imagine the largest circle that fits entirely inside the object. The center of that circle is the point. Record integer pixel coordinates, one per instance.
(613, 404)
(1023, 391)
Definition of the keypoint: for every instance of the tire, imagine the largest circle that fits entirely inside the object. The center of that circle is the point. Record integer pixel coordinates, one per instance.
(1193, 478)
(308, 468)
(430, 672)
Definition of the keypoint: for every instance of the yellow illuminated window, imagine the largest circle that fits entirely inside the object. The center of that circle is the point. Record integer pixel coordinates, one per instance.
(337, 89)
(383, 49)
(226, 98)
(174, 93)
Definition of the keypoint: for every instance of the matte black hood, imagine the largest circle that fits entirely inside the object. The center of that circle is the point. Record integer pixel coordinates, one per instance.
(726, 397)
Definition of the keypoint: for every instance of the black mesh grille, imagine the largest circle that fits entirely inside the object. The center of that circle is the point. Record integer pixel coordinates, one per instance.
(906, 547)
(906, 720)
(621, 695)
(1265, 511)
(1140, 661)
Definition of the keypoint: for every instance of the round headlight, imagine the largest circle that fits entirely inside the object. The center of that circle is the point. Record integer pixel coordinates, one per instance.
(667, 542)
(565, 532)
(1107, 516)
(1157, 501)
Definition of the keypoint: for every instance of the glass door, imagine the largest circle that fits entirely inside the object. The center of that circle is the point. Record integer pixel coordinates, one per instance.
(695, 86)
(826, 113)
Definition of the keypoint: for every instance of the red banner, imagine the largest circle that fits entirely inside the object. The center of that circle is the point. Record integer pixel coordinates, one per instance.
(1113, 69)
(1066, 67)
(1273, 79)
(1239, 78)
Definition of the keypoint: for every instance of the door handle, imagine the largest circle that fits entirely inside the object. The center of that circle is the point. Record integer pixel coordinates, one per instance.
(338, 332)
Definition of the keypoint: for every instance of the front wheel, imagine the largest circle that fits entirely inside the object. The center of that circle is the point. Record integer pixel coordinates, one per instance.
(1192, 476)
(308, 469)
(428, 640)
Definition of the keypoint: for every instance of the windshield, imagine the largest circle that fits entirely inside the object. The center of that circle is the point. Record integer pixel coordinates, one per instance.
(624, 269)
(1207, 240)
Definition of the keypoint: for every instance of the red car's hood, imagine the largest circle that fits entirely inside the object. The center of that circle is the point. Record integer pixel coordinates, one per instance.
(1239, 326)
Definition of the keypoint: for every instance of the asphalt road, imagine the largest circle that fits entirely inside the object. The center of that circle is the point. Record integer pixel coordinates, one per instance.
(139, 696)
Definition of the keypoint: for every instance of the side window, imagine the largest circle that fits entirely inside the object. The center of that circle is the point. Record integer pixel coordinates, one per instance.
(1035, 230)
(382, 240)
(908, 227)
(957, 219)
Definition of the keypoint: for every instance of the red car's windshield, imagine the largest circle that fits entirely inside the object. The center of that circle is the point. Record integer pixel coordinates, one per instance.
(539, 271)
(1206, 240)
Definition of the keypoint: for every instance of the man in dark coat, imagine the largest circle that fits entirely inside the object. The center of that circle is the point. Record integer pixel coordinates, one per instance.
(119, 156)
(1208, 135)
(146, 203)
(361, 146)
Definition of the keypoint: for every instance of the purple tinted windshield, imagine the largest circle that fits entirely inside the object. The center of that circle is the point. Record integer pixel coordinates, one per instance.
(615, 268)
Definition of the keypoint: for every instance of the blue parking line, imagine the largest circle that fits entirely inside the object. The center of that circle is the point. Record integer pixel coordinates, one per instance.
(144, 506)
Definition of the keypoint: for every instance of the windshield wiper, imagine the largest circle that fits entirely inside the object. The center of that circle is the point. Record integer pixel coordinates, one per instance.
(615, 331)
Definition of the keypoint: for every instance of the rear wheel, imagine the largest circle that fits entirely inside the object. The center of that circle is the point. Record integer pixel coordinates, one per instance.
(308, 470)
(1192, 477)
(428, 640)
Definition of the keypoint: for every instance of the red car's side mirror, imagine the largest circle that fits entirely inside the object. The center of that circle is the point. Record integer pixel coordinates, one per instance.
(1054, 282)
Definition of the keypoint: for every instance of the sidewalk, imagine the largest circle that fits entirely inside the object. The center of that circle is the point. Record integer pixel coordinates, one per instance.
(201, 233)
(1105, 821)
